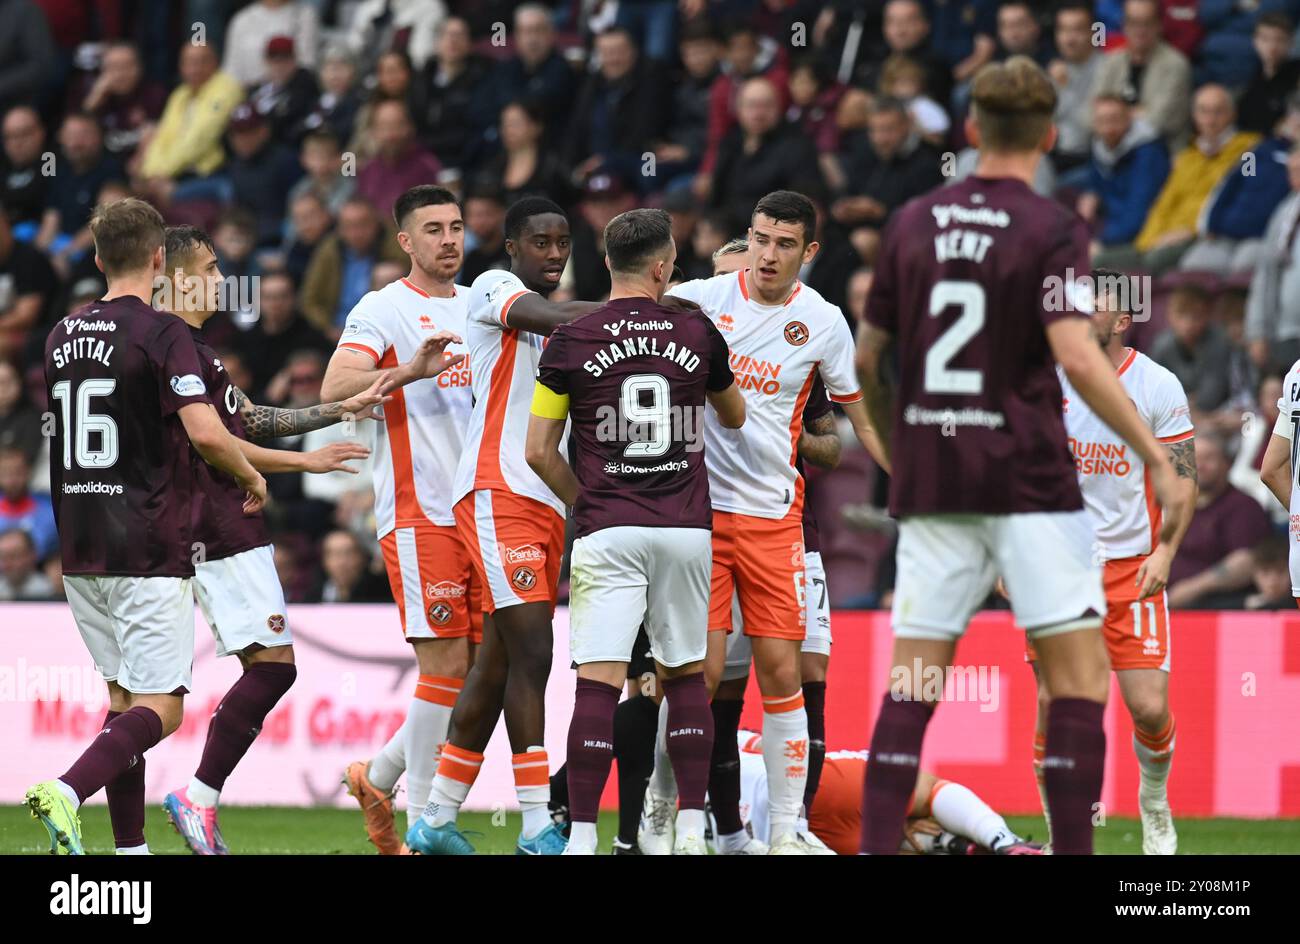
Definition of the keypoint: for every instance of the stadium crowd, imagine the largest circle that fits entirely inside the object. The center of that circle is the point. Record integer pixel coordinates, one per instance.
(288, 127)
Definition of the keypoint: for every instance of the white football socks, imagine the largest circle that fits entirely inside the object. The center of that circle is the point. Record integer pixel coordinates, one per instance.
(958, 810)
(389, 764)
(785, 755)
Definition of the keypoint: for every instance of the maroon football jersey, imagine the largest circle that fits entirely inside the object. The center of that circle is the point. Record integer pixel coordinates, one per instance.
(968, 278)
(221, 524)
(117, 372)
(636, 374)
(818, 405)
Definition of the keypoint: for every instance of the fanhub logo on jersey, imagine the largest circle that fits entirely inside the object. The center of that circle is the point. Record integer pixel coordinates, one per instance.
(652, 428)
(933, 683)
(1093, 458)
(755, 374)
(616, 327)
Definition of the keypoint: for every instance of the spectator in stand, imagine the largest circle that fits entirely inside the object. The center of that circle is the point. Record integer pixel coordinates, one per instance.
(620, 111)
(1273, 305)
(339, 271)
(322, 161)
(1225, 53)
(1170, 227)
(408, 25)
(524, 165)
(400, 162)
(86, 167)
(537, 72)
(279, 331)
(183, 156)
(311, 223)
(1263, 102)
(251, 30)
(653, 24)
(124, 101)
(964, 35)
(605, 196)
(761, 154)
(454, 98)
(347, 576)
(20, 423)
(335, 109)
(1214, 560)
(394, 82)
(20, 508)
(891, 166)
(262, 172)
(27, 285)
(1179, 23)
(1073, 72)
(1149, 73)
(20, 580)
(1270, 575)
(485, 218)
(1196, 350)
(26, 171)
(1231, 226)
(814, 95)
(679, 154)
(288, 94)
(748, 55)
(1019, 32)
(903, 79)
(906, 32)
(27, 53)
(1129, 166)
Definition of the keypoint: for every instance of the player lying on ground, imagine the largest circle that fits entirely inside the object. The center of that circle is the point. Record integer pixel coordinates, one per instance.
(411, 332)
(979, 285)
(819, 443)
(131, 402)
(943, 817)
(235, 580)
(1136, 568)
(640, 498)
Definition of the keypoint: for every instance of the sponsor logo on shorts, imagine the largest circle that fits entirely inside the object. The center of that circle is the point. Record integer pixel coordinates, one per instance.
(796, 332)
(524, 578)
(275, 623)
(443, 590)
(439, 614)
(528, 554)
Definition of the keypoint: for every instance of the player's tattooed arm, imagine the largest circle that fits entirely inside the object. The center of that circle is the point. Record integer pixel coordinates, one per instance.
(263, 423)
(1153, 574)
(1182, 455)
(820, 443)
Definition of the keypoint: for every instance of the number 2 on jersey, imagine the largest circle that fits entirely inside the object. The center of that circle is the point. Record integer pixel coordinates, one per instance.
(87, 423)
(969, 298)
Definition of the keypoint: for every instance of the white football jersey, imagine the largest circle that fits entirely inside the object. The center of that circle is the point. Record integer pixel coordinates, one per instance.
(776, 352)
(423, 433)
(505, 370)
(1116, 488)
(1288, 419)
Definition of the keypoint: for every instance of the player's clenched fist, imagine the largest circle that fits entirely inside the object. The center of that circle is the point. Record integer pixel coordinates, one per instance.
(332, 458)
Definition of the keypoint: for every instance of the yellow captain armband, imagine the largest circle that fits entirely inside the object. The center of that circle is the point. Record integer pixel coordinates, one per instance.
(548, 404)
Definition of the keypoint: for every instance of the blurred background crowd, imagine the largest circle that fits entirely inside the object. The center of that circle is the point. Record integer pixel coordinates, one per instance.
(288, 127)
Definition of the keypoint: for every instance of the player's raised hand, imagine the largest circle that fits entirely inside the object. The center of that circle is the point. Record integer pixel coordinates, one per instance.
(255, 486)
(332, 458)
(429, 360)
(365, 405)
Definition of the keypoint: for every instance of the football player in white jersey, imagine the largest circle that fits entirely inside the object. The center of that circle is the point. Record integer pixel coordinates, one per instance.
(411, 331)
(1117, 492)
(782, 335)
(1280, 471)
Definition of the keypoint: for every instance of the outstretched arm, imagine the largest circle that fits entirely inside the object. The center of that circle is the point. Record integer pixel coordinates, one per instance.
(263, 423)
(329, 458)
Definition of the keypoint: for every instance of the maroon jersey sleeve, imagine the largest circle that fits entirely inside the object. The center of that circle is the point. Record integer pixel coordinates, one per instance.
(552, 366)
(882, 300)
(818, 404)
(720, 375)
(176, 364)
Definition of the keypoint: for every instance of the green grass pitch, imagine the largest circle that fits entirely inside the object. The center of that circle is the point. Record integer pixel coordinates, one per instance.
(277, 831)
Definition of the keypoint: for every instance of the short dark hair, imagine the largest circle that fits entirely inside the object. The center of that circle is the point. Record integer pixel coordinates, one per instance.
(421, 195)
(127, 233)
(635, 237)
(1073, 6)
(524, 209)
(789, 206)
(181, 244)
(1106, 278)
(1277, 20)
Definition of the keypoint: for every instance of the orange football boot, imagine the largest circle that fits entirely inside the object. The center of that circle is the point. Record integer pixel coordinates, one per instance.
(377, 807)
